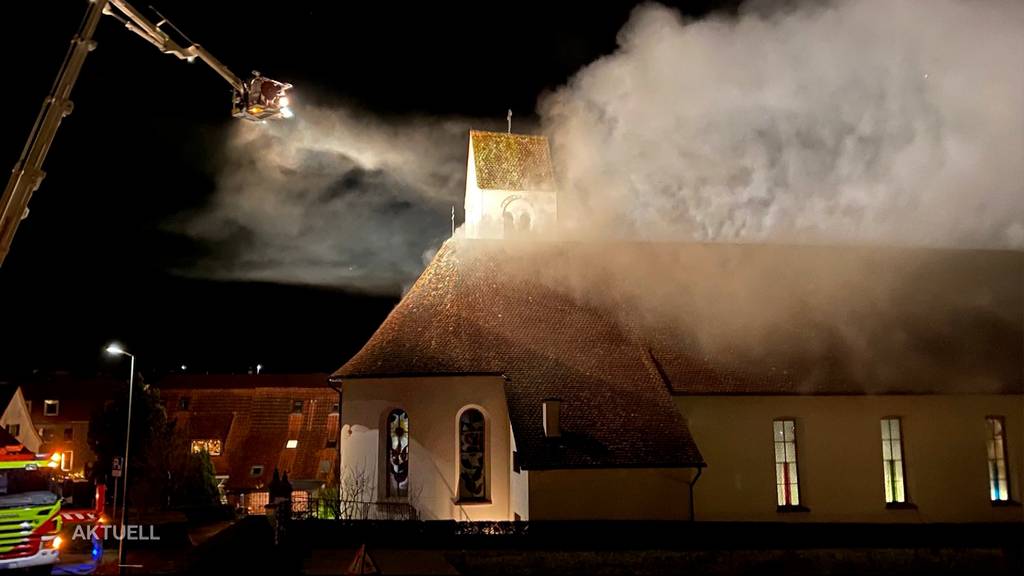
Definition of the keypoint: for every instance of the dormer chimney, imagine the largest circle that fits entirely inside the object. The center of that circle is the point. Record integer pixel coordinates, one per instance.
(552, 409)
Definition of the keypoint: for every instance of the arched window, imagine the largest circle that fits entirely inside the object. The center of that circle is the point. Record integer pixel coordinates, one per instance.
(396, 454)
(524, 222)
(472, 469)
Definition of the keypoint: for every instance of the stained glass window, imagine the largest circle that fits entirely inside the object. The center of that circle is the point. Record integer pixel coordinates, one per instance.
(397, 455)
(472, 473)
(999, 482)
(787, 483)
(892, 461)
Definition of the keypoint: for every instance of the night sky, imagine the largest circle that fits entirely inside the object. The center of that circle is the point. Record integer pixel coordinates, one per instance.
(94, 261)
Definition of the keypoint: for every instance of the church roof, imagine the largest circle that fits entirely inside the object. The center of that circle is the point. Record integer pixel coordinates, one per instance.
(511, 161)
(550, 317)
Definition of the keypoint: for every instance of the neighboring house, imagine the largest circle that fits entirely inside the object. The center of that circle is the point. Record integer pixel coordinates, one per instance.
(16, 420)
(548, 380)
(61, 406)
(253, 424)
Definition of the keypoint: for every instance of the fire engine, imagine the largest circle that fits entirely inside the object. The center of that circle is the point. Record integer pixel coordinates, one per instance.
(30, 519)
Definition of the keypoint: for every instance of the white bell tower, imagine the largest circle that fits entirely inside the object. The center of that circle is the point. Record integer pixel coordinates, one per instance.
(510, 186)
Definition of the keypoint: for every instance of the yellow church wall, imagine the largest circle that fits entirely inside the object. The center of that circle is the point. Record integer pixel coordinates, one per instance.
(839, 456)
(610, 494)
(433, 405)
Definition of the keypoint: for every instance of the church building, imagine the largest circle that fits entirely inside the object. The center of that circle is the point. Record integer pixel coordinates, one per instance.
(530, 377)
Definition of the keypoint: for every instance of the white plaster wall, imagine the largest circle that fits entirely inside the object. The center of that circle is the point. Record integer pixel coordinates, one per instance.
(472, 202)
(16, 412)
(839, 456)
(519, 488)
(433, 405)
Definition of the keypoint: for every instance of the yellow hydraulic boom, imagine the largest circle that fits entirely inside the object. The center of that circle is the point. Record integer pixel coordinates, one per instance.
(256, 99)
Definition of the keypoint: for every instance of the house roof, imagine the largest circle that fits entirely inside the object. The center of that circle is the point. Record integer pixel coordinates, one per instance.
(220, 381)
(255, 419)
(589, 338)
(79, 397)
(511, 161)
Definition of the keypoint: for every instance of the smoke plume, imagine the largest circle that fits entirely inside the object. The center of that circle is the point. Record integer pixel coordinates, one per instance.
(846, 122)
(333, 198)
(869, 123)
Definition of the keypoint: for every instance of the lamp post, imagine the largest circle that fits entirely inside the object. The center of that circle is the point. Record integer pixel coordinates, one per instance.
(115, 349)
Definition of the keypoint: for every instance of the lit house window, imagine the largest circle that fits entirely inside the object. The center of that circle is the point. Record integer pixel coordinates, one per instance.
(14, 429)
(51, 407)
(472, 473)
(396, 455)
(67, 460)
(212, 446)
(292, 444)
(999, 481)
(787, 482)
(892, 461)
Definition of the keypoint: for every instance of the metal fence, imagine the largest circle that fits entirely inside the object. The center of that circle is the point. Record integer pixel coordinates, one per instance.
(331, 509)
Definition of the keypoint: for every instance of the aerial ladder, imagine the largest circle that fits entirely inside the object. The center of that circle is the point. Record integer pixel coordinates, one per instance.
(257, 99)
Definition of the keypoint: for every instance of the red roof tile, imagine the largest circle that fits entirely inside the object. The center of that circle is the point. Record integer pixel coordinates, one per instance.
(463, 316)
(255, 420)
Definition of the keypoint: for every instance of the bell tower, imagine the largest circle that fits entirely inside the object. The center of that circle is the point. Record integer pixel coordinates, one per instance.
(510, 186)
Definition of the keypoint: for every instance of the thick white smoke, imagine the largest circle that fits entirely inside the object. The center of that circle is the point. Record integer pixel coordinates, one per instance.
(861, 122)
(853, 122)
(332, 197)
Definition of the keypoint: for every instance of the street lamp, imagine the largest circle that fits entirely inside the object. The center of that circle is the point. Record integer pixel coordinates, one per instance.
(117, 350)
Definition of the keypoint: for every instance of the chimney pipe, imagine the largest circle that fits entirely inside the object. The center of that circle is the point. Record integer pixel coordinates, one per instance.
(551, 412)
